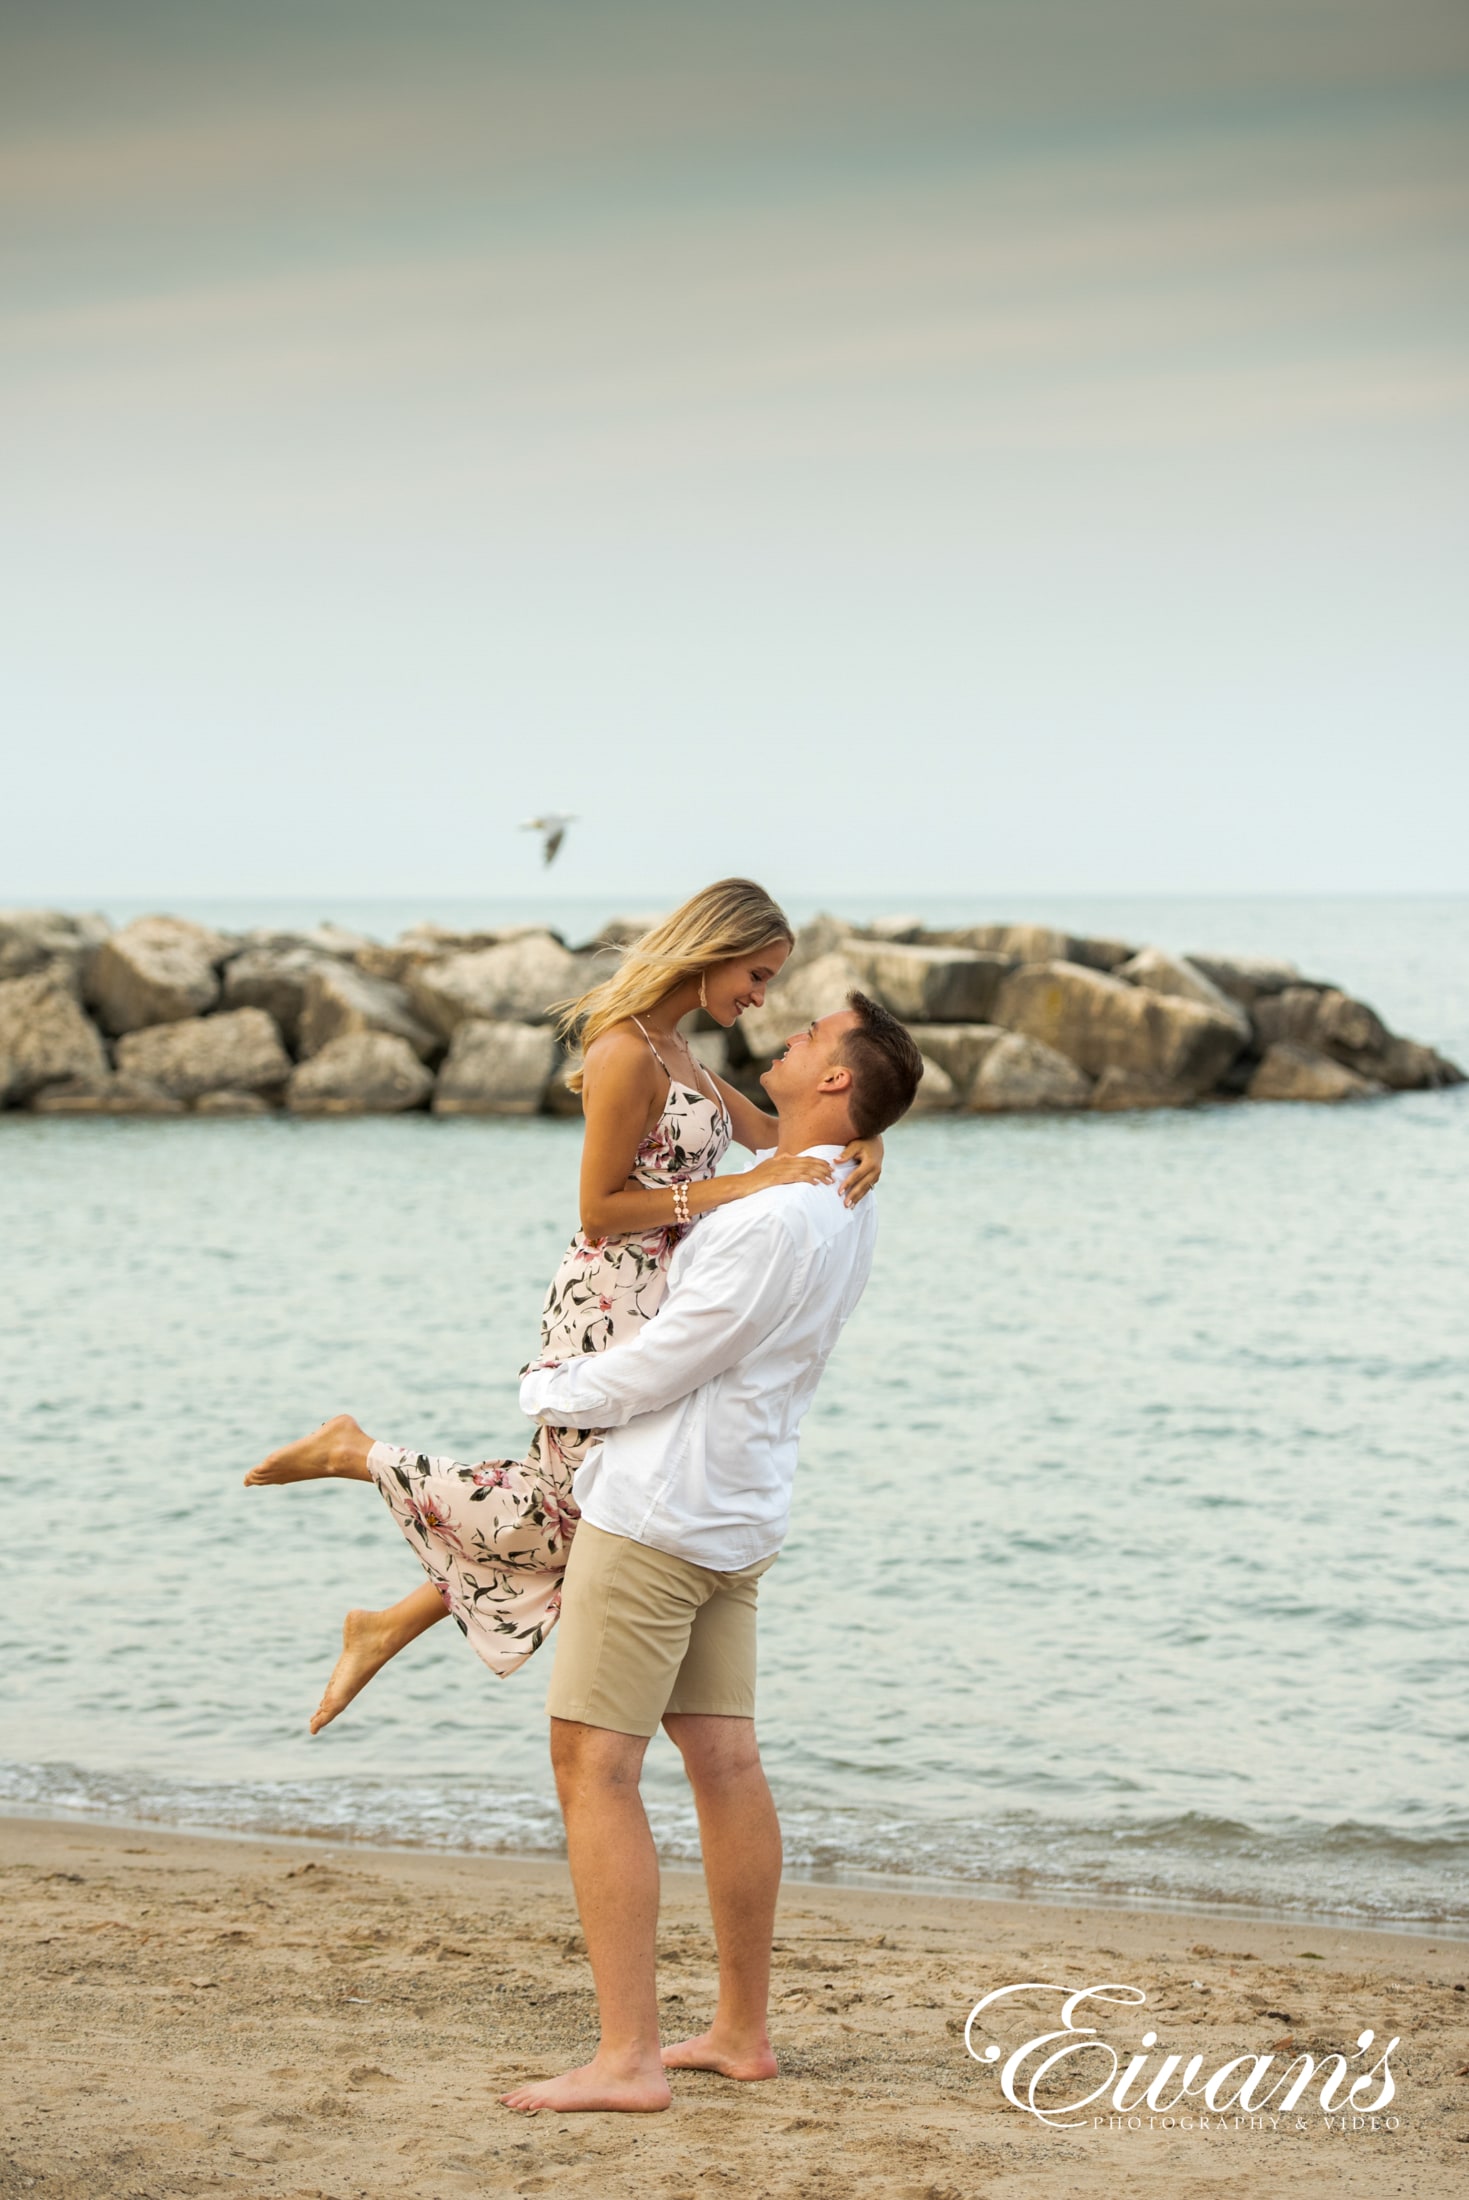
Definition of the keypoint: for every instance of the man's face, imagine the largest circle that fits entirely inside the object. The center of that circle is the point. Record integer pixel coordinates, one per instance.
(796, 1075)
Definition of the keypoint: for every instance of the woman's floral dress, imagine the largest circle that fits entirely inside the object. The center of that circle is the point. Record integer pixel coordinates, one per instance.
(493, 1538)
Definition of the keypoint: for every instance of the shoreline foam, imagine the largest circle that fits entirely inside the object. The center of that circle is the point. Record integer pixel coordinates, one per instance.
(851, 1878)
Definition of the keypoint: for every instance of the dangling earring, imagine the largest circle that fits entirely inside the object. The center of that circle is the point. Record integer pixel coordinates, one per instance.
(703, 996)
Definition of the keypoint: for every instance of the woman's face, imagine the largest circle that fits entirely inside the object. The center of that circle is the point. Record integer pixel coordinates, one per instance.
(740, 983)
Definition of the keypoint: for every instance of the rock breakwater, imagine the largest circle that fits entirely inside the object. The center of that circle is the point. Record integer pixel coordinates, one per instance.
(166, 1017)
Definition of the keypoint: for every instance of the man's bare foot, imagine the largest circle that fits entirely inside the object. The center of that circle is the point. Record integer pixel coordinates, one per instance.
(338, 1447)
(367, 1646)
(751, 2059)
(597, 2084)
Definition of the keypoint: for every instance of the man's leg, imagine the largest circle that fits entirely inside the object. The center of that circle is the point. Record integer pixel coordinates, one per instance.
(740, 1837)
(614, 1870)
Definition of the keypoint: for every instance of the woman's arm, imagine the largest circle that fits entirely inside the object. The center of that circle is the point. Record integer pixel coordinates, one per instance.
(622, 1089)
(752, 1127)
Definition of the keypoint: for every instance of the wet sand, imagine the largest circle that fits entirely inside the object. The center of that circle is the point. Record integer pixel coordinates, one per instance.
(283, 2021)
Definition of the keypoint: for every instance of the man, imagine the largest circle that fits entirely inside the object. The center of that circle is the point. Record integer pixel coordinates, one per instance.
(684, 1505)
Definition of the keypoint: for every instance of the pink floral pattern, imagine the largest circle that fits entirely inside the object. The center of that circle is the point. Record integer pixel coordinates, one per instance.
(493, 1538)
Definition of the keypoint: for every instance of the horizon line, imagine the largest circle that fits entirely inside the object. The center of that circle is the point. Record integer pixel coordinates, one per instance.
(897, 896)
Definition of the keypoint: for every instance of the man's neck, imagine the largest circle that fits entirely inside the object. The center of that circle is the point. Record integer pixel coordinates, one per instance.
(819, 1126)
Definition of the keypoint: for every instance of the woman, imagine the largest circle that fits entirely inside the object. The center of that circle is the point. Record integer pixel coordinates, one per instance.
(493, 1538)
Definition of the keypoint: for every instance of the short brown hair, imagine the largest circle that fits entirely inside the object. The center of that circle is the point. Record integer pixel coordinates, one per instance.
(885, 1063)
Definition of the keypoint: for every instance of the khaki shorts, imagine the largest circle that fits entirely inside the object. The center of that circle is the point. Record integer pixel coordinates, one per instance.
(642, 1632)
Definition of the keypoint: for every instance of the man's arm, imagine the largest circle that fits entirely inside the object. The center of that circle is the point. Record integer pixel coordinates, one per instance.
(736, 1288)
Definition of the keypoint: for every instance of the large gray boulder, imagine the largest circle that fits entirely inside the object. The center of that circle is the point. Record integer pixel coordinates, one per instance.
(1022, 1075)
(395, 963)
(824, 935)
(516, 982)
(937, 1093)
(1100, 1022)
(428, 943)
(1023, 943)
(960, 1050)
(448, 939)
(1327, 1021)
(930, 985)
(1099, 954)
(904, 931)
(239, 1050)
(32, 938)
(1118, 1089)
(362, 1073)
(338, 998)
(433, 944)
(1245, 978)
(109, 1094)
(497, 1069)
(1289, 1015)
(228, 1102)
(156, 970)
(1291, 1072)
(1349, 1029)
(1037, 943)
(274, 978)
(620, 932)
(1159, 972)
(1411, 1067)
(812, 989)
(326, 938)
(44, 1036)
(559, 1098)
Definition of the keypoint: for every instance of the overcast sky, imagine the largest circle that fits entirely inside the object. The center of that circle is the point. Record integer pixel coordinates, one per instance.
(1001, 447)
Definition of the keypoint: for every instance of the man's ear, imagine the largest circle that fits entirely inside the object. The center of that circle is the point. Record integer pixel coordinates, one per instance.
(836, 1077)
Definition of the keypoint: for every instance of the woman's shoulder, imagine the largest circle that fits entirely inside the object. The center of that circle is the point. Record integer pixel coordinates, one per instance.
(622, 1052)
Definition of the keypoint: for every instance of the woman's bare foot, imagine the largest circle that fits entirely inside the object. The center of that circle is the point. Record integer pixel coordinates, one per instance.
(597, 2084)
(367, 1645)
(338, 1447)
(708, 2051)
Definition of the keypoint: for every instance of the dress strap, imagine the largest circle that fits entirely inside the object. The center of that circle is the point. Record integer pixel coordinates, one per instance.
(668, 1073)
(713, 1094)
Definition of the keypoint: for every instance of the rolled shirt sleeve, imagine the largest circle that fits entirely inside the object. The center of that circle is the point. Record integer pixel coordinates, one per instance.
(739, 1282)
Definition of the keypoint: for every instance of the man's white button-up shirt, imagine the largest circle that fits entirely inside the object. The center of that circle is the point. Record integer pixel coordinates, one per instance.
(702, 1407)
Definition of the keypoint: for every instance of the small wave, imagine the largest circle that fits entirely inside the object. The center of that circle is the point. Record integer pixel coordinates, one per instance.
(1352, 1870)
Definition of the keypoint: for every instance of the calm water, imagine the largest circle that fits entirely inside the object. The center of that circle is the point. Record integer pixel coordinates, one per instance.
(1129, 1552)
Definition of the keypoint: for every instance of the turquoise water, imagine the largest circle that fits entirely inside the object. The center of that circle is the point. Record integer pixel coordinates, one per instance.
(1129, 1549)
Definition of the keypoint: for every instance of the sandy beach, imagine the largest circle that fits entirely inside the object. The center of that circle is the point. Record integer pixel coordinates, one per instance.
(186, 2014)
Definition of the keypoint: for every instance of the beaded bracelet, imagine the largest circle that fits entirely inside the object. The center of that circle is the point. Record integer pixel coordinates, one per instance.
(681, 1204)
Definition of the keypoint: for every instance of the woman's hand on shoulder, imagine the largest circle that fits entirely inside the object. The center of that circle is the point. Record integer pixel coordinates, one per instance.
(785, 1168)
(867, 1153)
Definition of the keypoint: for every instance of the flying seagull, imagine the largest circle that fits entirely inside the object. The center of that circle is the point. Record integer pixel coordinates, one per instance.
(552, 828)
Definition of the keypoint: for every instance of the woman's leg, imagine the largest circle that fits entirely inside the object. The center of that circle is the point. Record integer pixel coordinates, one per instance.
(492, 1539)
(338, 1449)
(369, 1639)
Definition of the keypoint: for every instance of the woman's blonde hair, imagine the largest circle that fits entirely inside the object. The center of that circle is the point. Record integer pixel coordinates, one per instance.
(732, 917)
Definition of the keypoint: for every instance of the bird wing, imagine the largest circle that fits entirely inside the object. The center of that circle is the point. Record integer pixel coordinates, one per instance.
(553, 842)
